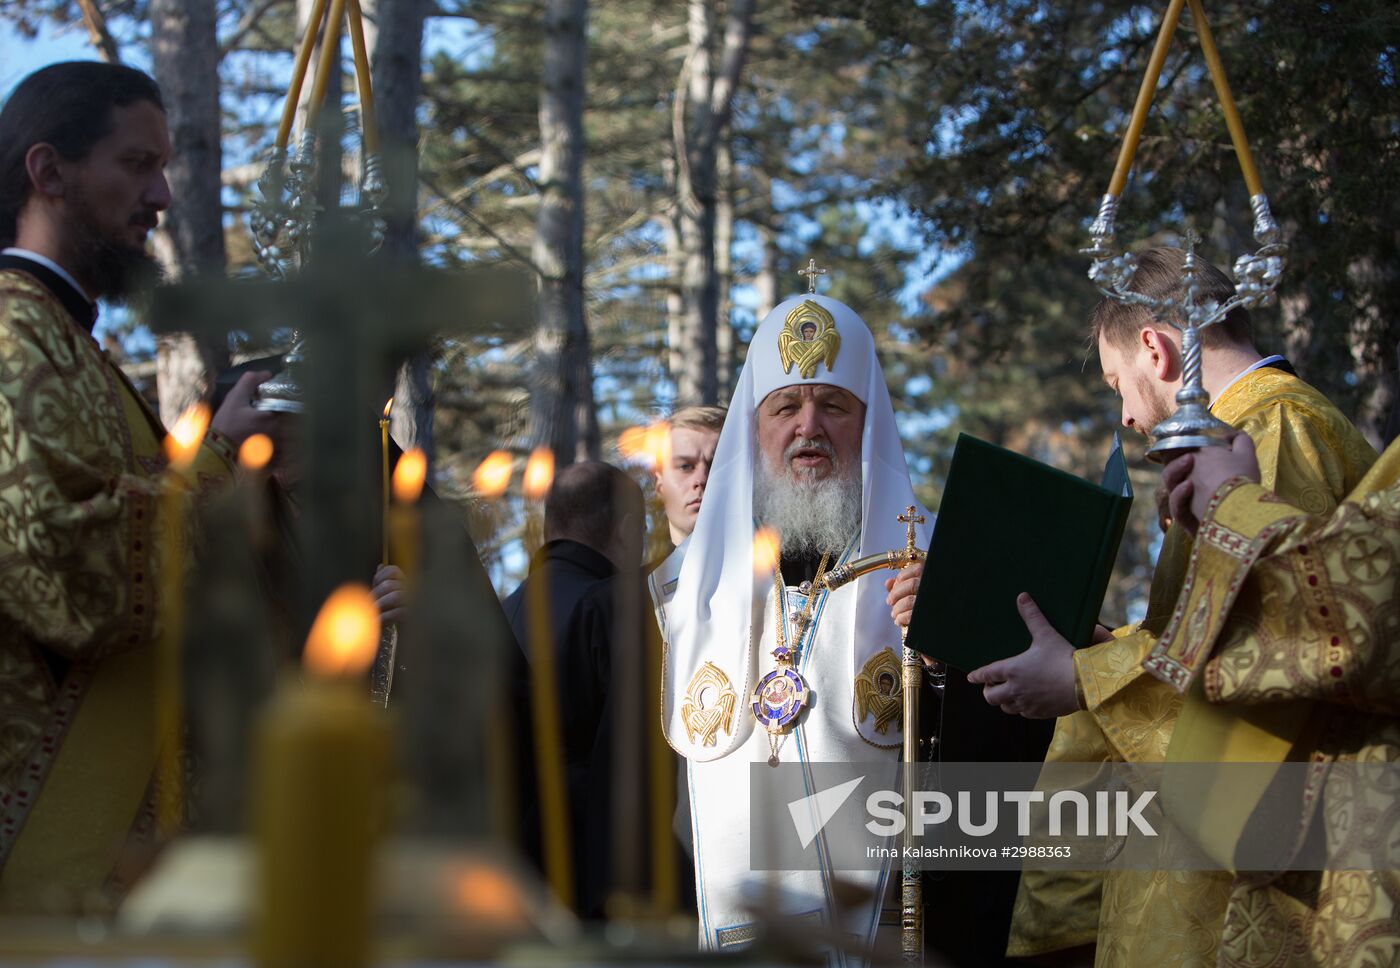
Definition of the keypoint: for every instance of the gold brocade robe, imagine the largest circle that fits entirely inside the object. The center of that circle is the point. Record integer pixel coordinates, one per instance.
(80, 533)
(1309, 618)
(1313, 456)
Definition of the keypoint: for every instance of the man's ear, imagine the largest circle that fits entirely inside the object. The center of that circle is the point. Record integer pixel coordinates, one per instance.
(44, 168)
(1161, 351)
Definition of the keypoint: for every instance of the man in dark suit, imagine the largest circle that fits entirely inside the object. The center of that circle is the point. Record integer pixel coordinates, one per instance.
(593, 521)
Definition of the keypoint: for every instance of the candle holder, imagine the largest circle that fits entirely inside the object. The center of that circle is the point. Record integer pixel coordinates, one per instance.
(1256, 276)
(285, 212)
(1256, 282)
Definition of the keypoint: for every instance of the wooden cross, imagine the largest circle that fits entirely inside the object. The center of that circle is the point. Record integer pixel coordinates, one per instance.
(811, 272)
(360, 317)
(910, 540)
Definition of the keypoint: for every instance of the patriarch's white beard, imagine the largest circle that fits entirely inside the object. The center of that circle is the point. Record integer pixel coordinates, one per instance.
(811, 515)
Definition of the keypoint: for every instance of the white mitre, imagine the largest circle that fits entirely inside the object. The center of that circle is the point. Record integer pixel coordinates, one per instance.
(714, 606)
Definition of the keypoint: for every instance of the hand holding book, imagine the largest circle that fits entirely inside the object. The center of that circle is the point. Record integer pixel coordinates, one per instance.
(1038, 683)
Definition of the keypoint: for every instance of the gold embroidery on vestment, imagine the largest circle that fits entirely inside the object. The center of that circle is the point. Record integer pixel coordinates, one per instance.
(706, 720)
(877, 690)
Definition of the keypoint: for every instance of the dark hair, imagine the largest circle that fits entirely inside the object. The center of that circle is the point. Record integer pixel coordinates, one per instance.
(69, 106)
(587, 502)
(1159, 274)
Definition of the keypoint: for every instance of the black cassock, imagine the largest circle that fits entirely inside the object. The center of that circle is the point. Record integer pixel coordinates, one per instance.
(579, 628)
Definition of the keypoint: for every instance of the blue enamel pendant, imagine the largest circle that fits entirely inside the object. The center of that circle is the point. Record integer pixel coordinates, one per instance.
(779, 695)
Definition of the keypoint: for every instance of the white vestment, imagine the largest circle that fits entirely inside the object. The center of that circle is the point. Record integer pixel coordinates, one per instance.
(719, 629)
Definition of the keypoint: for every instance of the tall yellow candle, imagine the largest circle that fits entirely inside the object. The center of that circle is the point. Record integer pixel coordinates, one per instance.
(410, 473)
(181, 445)
(384, 478)
(322, 774)
(544, 706)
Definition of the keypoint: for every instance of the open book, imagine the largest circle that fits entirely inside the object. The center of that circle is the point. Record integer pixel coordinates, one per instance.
(1009, 524)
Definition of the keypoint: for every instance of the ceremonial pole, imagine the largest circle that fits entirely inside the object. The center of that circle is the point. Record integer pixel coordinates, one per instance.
(911, 884)
(911, 888)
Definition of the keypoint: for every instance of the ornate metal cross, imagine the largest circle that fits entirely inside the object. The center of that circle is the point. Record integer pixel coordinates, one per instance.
(911, 519)
(811, 272)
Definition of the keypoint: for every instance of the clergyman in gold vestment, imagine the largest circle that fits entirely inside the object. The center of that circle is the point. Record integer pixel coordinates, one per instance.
(82, 152)
(1293, 616)
(1310, 453)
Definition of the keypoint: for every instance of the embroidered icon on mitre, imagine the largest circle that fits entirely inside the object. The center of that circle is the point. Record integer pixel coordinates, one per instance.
(877, 690)
(709, 705)
(808, 337)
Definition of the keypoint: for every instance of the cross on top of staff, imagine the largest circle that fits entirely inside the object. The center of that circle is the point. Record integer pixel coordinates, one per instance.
(811, 272)
(911, 519)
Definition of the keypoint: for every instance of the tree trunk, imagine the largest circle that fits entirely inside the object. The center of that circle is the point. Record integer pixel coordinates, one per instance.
(705, 102)
(675, 293)
(766, 284)
(394, 35)
(724, 267)
(185, 58)
(562, 409)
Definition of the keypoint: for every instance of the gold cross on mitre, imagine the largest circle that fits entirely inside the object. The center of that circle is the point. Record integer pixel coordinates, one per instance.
(811, 272)
(911, 519)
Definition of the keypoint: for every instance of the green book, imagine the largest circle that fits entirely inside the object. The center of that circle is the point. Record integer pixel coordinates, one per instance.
(1009, 524)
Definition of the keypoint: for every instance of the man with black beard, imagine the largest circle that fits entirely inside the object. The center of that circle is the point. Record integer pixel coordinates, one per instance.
(83, 148)
(763, 666)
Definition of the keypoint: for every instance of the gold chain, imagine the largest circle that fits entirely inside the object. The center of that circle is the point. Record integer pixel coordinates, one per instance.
(803, 617)
(777, 741)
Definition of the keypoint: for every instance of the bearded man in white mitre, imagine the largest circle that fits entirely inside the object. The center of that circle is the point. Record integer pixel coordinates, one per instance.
(761, 666)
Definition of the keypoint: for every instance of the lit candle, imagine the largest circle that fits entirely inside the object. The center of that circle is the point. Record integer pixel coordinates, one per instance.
(254, 453)
(492, 476)
(539, 474)
(181, 445)
(322, 773)
(544, 703)
(384, 478)
(651, 445)
(409, 475)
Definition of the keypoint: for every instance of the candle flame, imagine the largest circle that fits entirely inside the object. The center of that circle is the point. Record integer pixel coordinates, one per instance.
(539, 473)
(388, 405)
(345, 635)
(766, 551)
(650, 445)
(409, 474)
(485, 893)
(183, 440)
(658, 443)
(492, 475)
(632, 442)
(255, 452)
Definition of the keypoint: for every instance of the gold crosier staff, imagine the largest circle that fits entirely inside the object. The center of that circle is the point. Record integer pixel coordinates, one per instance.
(911, 888)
